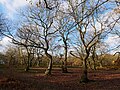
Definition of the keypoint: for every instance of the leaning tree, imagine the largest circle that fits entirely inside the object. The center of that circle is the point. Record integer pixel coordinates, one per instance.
(40, 31)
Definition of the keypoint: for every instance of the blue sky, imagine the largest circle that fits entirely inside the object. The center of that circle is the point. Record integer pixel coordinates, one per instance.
(10, 9)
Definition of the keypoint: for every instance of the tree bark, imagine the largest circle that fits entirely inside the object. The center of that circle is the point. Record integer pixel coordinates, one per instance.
(28, 61)
(94, 64)
(84, 77)
(64, 66)
(28, 65)
(49, 69)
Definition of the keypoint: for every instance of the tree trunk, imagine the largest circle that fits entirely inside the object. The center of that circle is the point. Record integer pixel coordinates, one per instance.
(28, 61)
(100, 63)
(94, 64)
(49, 69)
(28, 66)
(84, 77)
(94, 55)
(64, 66)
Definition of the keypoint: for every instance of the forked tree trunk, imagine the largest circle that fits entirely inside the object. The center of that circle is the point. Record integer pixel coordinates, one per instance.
(27, 66)
(49, 69)
(84, 77)
(64, 66)
(64, 63)
(94, 55)
(28, 62)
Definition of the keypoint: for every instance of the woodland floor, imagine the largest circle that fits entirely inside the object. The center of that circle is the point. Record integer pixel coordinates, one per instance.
(11, 79)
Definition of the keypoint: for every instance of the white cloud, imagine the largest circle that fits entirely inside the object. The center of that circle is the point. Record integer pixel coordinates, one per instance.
(4, 43)
(113, 42)
(12, 6)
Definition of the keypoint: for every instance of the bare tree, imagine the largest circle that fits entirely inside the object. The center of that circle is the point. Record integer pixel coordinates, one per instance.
(64, 26)
(85, 16)
(23, 35)
(39, 32)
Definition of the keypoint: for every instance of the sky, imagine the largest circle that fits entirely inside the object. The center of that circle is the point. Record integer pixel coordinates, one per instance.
(10, 9)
